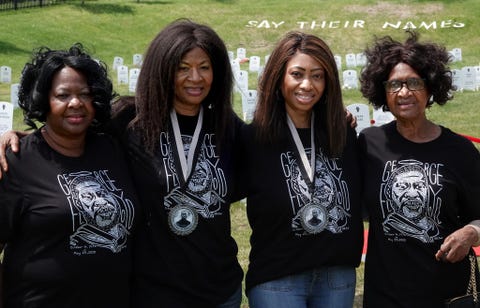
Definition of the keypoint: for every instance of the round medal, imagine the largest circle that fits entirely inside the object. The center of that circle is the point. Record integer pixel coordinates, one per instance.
(182, 219)
(313, 218)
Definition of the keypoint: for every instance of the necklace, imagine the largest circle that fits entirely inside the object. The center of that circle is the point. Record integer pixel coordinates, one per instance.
(313, 215)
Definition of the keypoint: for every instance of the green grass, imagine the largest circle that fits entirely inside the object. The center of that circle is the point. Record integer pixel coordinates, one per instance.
(111, 28)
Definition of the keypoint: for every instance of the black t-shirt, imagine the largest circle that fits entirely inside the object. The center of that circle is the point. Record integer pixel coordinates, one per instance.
(67, 224)
(185, 257)
(416, 194)
(297, 224)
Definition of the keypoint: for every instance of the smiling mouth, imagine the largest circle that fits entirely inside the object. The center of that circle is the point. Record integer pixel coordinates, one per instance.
(304, 98)
(194, 91)
(405, 103)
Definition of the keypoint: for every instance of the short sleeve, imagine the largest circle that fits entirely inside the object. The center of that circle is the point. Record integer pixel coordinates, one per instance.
(11, 202)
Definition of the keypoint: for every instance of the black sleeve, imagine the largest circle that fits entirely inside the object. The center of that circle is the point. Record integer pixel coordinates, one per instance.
(240, 162)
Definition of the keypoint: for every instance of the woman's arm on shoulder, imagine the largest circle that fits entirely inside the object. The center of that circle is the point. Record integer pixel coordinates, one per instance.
(11, 139)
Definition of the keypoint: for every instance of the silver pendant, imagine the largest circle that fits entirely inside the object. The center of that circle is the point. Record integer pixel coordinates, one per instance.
(183, 219)
(313, 218)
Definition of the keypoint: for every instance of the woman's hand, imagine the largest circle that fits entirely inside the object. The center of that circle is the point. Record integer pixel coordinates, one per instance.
(351, 118)
(9, 138)
(456, 246)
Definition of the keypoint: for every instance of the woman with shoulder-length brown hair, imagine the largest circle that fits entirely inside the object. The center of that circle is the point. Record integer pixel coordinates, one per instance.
(270, 115)
(302, 182)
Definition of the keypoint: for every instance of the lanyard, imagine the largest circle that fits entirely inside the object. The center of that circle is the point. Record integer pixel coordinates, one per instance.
(186, 163)
(309, 166)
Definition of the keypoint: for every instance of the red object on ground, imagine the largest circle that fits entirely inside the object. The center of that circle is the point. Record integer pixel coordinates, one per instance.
(473, 139)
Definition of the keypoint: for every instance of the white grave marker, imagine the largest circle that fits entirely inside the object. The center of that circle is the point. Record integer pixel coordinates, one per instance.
(249, 102)
(457, 54)
(242, 82)
(122, 74)
(350, 80)
(362, 113)
(5, 74)
(241, 53)
(351, 60)
(338, 62)
(235, 66)
(137, 60)
(469, 79)
(381, 117)
(132, 79)
(254, 64)
(117, 61)
(6, 116)
(457, 79)
(361, 59)
(14, 87)
(477, 77)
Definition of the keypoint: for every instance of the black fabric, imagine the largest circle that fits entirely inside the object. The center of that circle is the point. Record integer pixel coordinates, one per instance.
(57, 255)
(196, 270)
(416, 194)
(276, 190)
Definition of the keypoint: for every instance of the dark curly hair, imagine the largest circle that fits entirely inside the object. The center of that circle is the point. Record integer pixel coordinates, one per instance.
(37, 76)
(429, 60)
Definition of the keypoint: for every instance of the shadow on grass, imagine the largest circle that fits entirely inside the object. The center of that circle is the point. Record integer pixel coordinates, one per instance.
(151, 2)
(103, 8)
(8, 48)
(225, 1)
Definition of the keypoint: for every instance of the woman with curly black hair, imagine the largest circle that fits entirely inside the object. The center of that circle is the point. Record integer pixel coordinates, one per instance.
(67, 205)
(422, 200)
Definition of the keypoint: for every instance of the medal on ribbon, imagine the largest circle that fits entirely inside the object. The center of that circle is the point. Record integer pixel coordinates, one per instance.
(183, 217)
(313, 216)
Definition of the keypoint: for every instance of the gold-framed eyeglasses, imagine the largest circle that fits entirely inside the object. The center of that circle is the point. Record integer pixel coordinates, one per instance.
(413, 84)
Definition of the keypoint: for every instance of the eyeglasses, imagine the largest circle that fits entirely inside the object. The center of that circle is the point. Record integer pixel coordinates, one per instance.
(413, 84)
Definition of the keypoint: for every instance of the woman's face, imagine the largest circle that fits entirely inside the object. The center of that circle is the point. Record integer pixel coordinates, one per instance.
(71, 104)
(303, 85)
(406, 104)
(192, 82)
